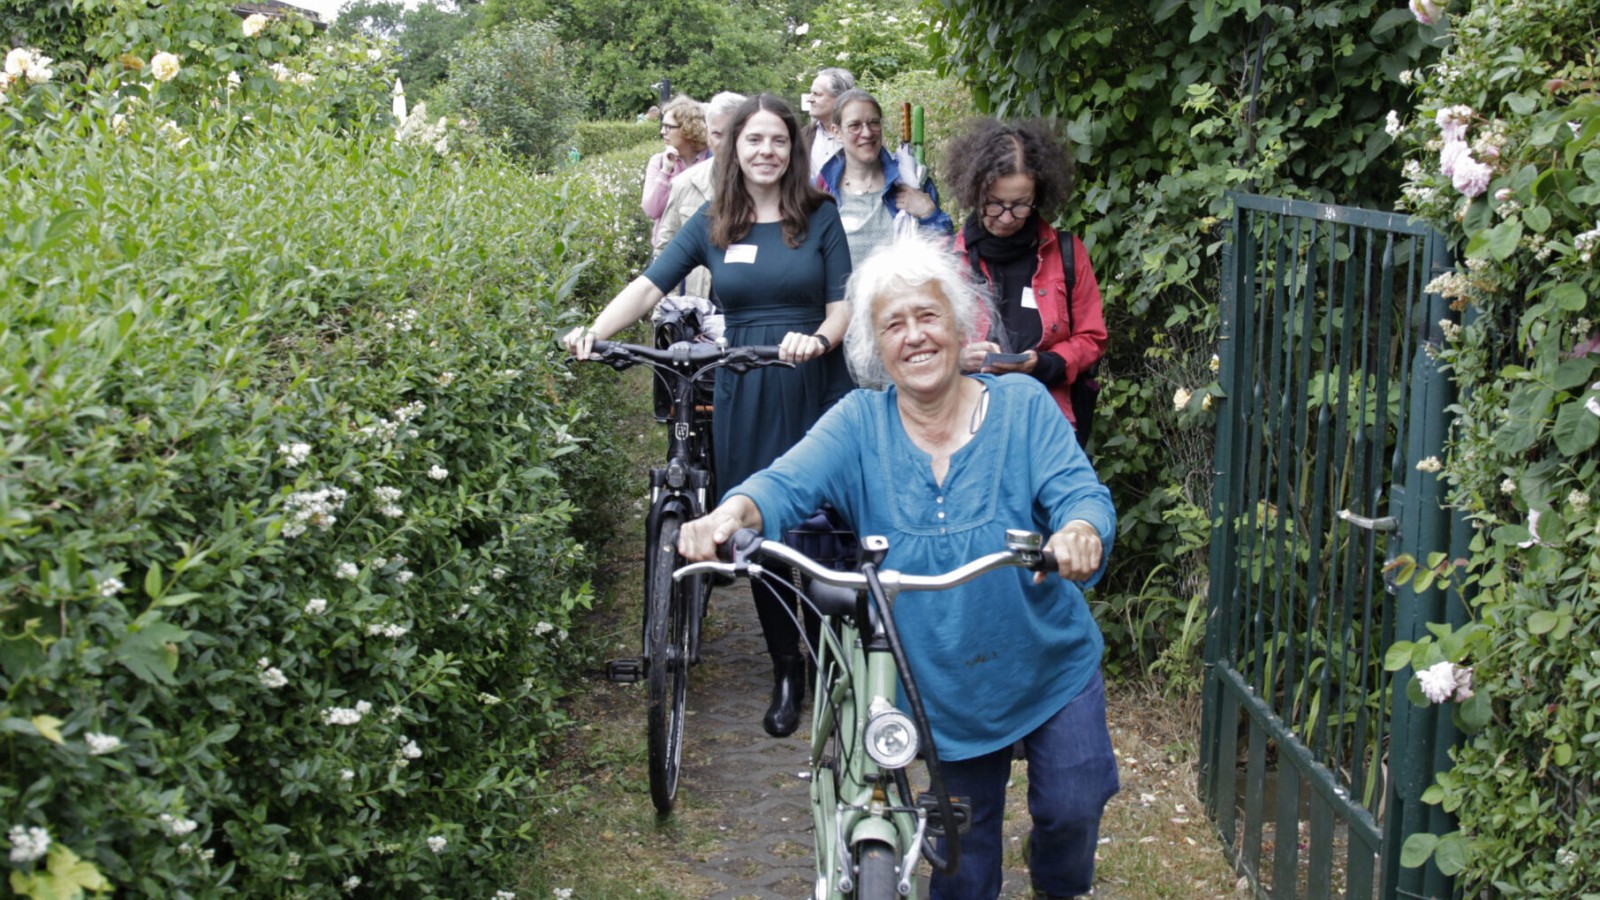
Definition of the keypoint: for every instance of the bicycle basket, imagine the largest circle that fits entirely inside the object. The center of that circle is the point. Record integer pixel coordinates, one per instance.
(826, 538)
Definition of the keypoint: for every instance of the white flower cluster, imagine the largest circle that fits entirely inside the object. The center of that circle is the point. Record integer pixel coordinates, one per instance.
(282, 73)
(348, 571)
(438, 472)
(205, 855)
(254, 24)
(1445, 681)
(340, 715)
(505, 895)
(543, 628)
(437, 843)
(388, 430)
(28, 844)
(24, 64)
(294, 454)
(403, 322)
(1508, 486)
(307, 508)
(110, 587)
(1578, 499)
(1430, 464)
(353, 882)
(347, 774)
(416, 129)
(386, 500)
(1586, 242)
(1456, 161)
(1181, 398)
(387, 629)
(270, 676)
(101, 744)
(178, 826)
(1391, 124)
(1450, 330)
(488, 699)
(408, 751)
(316, 606)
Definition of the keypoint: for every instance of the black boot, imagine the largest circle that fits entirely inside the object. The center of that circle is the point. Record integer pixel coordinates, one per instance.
(788, 689)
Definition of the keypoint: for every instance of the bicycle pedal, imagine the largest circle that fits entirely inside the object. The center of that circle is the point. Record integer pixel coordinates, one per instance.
(625, 671)
(960, 806)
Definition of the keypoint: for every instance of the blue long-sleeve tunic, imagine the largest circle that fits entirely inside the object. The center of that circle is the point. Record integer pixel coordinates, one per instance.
(996, 657)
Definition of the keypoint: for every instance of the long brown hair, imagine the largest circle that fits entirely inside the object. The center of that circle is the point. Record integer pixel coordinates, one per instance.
(733, 211)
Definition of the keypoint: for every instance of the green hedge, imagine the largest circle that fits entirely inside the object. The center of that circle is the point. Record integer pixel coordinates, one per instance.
(596, 138)
(287, 489)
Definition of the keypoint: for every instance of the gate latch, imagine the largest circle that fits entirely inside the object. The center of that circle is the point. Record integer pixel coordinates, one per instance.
(1386, 523)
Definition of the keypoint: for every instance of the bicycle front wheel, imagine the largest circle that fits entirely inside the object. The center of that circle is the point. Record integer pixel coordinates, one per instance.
(876, 878)
(667, 649)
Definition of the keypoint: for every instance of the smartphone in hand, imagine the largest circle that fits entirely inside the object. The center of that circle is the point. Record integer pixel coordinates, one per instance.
(1004, 359)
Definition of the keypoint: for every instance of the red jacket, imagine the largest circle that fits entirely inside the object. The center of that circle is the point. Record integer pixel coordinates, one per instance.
(1081, 348)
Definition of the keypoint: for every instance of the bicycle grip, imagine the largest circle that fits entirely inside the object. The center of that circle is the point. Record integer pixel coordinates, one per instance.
(737, 547)
(1047, 562)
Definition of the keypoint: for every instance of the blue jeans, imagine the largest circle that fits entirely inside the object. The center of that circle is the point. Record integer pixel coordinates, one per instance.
(1071, 774)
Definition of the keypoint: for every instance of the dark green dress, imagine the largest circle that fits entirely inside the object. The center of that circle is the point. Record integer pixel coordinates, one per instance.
(766, 290)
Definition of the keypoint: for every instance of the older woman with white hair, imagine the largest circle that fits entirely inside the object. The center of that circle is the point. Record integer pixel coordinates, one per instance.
(942, 464)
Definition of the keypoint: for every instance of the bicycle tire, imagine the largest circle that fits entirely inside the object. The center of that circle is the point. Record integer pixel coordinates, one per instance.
(876, 878)
(667, 662)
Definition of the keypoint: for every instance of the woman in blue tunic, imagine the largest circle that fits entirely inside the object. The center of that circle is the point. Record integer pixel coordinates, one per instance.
(779, 261)
(942, 464)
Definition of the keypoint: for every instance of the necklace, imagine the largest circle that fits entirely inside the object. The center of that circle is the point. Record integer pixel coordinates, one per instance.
(860, 186)
(980, 410)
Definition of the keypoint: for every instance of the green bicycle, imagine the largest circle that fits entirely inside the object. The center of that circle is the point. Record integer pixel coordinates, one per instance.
(871, 830)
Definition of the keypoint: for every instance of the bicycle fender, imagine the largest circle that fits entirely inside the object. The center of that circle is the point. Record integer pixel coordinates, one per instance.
(873, 828)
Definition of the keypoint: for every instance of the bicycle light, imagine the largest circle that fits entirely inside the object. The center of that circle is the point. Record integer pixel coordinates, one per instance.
(891, 738)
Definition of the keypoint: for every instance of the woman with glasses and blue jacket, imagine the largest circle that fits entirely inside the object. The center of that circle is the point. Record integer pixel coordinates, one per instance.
(1014, 175)
(876, 199)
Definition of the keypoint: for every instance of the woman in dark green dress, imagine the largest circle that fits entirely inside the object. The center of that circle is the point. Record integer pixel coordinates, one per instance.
(779, 261)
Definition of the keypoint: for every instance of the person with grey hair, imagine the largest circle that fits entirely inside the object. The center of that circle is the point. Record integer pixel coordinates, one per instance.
(819, 101)
(941, 464)
(694, 188)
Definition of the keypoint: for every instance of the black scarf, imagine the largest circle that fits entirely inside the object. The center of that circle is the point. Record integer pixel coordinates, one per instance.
(1011, 261)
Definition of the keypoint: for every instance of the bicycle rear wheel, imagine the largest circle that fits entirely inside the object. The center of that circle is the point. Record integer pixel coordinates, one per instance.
(667, 652)
(876, 878)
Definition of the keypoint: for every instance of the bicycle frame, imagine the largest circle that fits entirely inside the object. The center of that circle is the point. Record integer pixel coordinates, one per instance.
(870, 832)
(673, 613)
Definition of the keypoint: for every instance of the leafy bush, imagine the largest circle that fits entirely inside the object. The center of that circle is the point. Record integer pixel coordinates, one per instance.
(874, 39)
(1166, 106)
(515, 82)
(1505, 158)
(286, 496)
(595, 138)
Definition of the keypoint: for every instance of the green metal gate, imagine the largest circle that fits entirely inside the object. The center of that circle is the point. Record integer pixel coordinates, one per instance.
(1312, 760)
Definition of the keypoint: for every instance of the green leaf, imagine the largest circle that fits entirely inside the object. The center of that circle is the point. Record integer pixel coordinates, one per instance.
(1562, 754)
(1474, 712)
(1451, 855)
(1417, 849)
(145, 652)
(1543, 622)
(1576, 429)
(1537, 218)
(1398, 657)
(152, 581)
(1568, 296)
(49, 728)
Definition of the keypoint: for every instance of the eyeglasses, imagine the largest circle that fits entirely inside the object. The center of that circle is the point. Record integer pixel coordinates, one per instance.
(993, 209)
(873, 125)
(670, 126)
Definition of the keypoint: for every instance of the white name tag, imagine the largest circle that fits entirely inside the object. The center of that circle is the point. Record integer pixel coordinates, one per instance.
(740, 253)
(1029, 301)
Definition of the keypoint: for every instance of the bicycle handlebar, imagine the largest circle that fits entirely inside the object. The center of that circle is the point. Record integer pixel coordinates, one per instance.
(1024, 549)
(686, 353)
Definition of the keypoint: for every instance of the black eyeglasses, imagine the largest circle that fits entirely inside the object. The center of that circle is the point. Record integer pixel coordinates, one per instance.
(993, 209)
(669, 126)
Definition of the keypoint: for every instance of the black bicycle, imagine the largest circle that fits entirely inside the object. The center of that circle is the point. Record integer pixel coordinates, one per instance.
(680, 491)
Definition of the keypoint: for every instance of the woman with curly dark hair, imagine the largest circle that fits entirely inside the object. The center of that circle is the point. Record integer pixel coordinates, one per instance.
(1014, 175)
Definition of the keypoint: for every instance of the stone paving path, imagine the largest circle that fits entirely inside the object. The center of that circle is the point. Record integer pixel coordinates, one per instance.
(745, 781)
